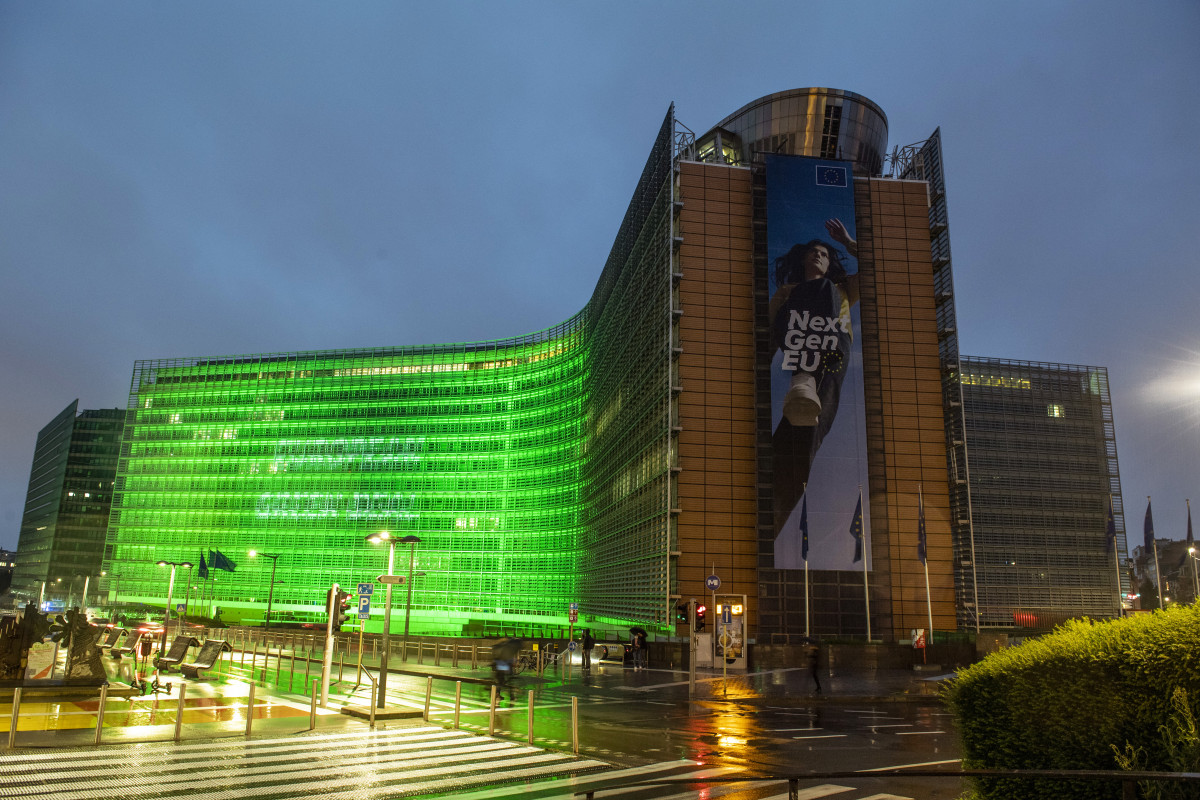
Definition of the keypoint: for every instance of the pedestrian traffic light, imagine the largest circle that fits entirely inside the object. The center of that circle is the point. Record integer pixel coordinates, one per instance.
(337, 603)
(681, 614)
(700, 617)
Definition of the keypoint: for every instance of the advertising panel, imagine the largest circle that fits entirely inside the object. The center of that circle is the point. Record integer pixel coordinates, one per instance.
(817, 414)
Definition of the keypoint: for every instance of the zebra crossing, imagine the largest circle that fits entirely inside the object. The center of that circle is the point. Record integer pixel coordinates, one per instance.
(403, 762)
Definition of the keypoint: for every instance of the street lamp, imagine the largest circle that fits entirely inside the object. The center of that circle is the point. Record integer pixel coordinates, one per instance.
(270, 591)
(162, 646)
(377, 538)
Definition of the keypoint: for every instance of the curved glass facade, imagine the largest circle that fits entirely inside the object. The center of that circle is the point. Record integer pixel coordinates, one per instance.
(534, 470)
(826, 123)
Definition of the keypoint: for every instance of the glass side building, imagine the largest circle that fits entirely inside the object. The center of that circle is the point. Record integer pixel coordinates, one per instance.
(67, 506)
(723, 404)
(1043, 464)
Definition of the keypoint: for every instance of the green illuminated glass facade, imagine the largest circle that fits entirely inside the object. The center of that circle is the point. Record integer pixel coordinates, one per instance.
(535, 470)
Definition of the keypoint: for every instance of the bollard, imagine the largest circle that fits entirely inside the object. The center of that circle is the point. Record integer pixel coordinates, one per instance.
(178, 712)
(437, 654)
(312, 710)
(421, 651)
(457, 702)
(16, 712)
(292, 671)
(100, 711)
(242, 649)
(575, 725)
(454, 656)
(250, 711)
(428, 695)
(529, 718)
(307, 666)
(278, 664)
(341, 667)
(492, 713)
(474, 655)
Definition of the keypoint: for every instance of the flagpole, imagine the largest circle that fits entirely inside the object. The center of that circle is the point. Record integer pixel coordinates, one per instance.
(925, 558)
(866, 588)
(804, 544)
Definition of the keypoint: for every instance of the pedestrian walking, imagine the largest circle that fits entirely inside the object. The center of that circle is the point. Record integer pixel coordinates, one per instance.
(589, 642)
(639, 650)
(812, 652)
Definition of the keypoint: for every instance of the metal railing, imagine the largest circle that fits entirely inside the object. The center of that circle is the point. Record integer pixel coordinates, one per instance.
(1127, 779)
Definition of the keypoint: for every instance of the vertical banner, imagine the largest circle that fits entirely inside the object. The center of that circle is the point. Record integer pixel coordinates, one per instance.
(817, 415)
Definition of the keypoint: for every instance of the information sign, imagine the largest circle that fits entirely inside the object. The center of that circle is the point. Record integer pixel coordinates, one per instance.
(364, 604)
(394, 580)
(366, 588)
(712, 583)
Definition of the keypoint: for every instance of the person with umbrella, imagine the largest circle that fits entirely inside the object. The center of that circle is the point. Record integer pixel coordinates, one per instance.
(504, 658)
(589, 642)
(638, 643)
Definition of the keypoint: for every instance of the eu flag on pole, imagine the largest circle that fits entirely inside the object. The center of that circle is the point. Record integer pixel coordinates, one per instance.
(203, 570)
(1110, 531)
(856, 530)
(921, 527)
(804, 529)
(1148, 528)
(218, 560)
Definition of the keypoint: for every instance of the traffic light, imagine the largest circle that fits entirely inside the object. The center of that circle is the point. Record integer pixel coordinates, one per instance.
(337, 603)
(700, 609)
(681, 614)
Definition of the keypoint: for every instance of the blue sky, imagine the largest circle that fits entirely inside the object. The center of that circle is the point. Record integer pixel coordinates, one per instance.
(184, 179)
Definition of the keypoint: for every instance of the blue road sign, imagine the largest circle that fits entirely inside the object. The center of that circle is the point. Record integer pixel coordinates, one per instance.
(574, 607)
(712, 583)
(364, 604)
(572, 646)
(365, 588)
(726, 614)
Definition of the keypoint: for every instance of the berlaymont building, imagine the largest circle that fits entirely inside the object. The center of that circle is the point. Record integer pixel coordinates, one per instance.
(764, 387)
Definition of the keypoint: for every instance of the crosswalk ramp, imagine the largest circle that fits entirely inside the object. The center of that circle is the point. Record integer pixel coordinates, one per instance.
(406, 762)
(403, 762)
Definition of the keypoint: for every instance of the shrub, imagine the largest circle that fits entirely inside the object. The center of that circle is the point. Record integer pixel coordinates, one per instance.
(1063, 701)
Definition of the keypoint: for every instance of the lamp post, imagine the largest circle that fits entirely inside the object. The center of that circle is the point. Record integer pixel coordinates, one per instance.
(271, 590)
(162, 646)
(377, 538)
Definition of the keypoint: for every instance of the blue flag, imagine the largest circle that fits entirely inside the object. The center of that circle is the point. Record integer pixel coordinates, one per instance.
(203, 570)
(856, 530)
(804, 529)
(217, 560)
(921, 527)
(1148, 529)
(1111, 530)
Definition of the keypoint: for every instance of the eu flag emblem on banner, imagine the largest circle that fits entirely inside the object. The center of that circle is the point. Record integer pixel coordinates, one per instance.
(831, 176)
(856, 530)
(1148, 528)
(203, 570)
(921, 528)
(804, 529)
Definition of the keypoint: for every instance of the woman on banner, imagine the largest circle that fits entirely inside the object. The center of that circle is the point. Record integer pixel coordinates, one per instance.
(810, 323)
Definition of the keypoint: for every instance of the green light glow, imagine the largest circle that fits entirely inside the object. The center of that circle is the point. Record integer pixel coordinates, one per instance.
(480, 457)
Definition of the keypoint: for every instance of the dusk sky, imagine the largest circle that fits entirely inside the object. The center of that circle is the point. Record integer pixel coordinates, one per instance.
(210, 178)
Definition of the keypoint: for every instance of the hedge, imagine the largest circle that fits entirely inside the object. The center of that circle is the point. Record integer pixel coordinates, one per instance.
(1065, 700)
